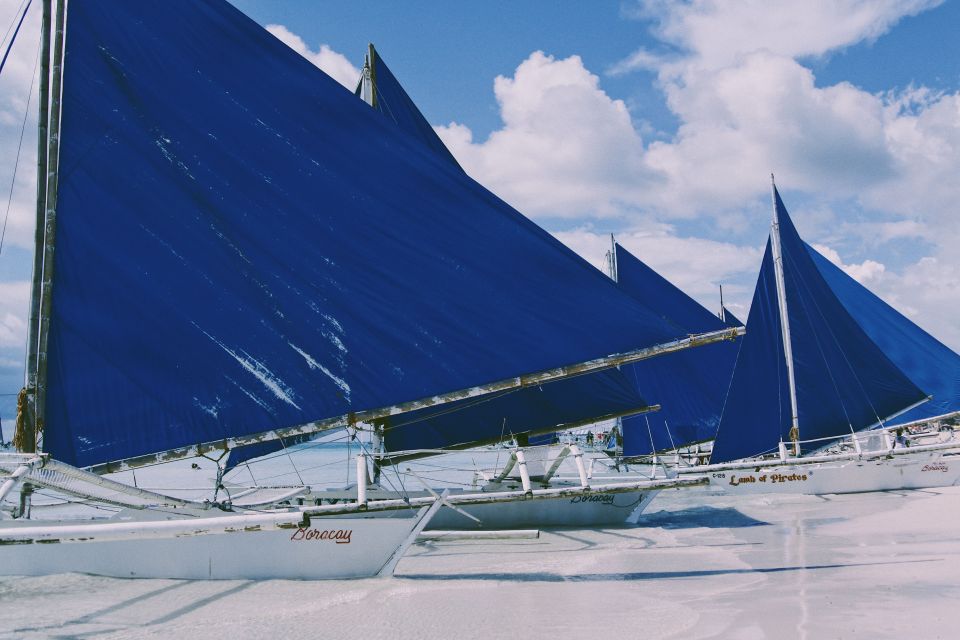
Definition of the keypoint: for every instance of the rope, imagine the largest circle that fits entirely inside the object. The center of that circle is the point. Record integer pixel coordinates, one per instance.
(14, 37)
(19, 432)
(23, 129)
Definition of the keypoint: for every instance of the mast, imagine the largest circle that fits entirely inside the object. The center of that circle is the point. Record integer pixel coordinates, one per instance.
(612, 259)
(723, 311)
(26, 439)
(784, 318)
(50, 218)
(369, 80)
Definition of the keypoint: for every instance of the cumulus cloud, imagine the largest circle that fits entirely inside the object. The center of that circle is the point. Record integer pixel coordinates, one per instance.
(718, 32)
(14, 297)
(566, 148)
(864, 272)
(876, 168)
(334, 64)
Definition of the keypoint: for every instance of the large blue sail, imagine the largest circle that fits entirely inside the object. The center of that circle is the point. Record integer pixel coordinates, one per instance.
(690, 386)
(554, 405)
(392, 101)
(730, 320)
(546, 408)
(844, 381)
(242, 245)
(932, 365)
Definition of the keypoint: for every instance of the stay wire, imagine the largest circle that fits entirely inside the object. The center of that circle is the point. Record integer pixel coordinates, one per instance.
(16, 162)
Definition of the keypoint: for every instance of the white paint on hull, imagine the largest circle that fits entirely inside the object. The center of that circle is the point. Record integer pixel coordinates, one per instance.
(362, 547)
(920, 471)
(566, 511)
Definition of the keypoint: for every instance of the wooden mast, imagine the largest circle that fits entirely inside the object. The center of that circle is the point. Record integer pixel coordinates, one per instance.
(26, 438)
(784, 318)
(50, 218)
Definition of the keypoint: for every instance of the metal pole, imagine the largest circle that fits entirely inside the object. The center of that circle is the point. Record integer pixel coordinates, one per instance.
(361, 480)
(615, 273)
(784, 317)
(369, 92)
(50, 216)
(524, 475)
(28, 439)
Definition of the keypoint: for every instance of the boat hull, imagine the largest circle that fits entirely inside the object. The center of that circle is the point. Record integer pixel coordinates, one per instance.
(327, 548)
(566, 511)
(919, 471)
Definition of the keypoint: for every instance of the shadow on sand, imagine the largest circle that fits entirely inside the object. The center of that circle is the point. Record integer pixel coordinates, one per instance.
(694, 517)
(638, 575)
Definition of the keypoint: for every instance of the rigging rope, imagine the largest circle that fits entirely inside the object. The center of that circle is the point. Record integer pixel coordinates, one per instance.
(16, 162)
(14, 37)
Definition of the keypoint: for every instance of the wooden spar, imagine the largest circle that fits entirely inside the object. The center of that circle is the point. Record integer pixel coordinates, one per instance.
(723, 311)
(369, 78)
(370, 415)
(50, 216)
(612, 259)
(777, 251)
(28, 440)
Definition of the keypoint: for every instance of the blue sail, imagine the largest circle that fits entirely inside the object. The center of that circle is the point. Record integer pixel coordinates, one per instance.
(392, 101)
(730, 320)
(554, 405)
(241, 245)
(844, 381)
(546, 408)
(689, 386)
(933, 366)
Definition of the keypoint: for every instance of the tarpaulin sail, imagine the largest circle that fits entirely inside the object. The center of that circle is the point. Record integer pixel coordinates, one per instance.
(730, 320)
(565, 402)
(242, 245)
(844, 381)
(392, 101)
(571, 402)
(929, 363)
(689, 386)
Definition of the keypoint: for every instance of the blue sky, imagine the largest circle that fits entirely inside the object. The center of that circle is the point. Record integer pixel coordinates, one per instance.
(660, 121)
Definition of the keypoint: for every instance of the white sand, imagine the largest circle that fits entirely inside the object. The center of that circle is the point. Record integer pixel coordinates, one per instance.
(698, 566)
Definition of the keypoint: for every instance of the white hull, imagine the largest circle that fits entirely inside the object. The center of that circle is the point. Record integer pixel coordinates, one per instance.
(210, 547)
(913, 471)
(577, 511)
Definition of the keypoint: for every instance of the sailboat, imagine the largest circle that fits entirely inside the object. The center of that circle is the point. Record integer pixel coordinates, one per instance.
(814, 395)
(231, 249)
(690, 387)
(517, 414)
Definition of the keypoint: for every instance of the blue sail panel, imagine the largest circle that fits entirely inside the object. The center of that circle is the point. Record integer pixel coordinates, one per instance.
(730, 320)
(929, 363)
(689, 386)
(242, 246)
(566, 402)
(672, 304)
(393, 102)
(757, 408)
(844, 381)
(534, 409)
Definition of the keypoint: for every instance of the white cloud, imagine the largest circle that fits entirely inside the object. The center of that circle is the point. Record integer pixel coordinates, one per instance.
(334, 64)
(566, 148)
(14, 297)
(873, 168)
(864, 273)
(719, 32)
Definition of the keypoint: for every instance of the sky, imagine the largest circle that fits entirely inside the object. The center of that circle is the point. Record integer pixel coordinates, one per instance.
(658, 121)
